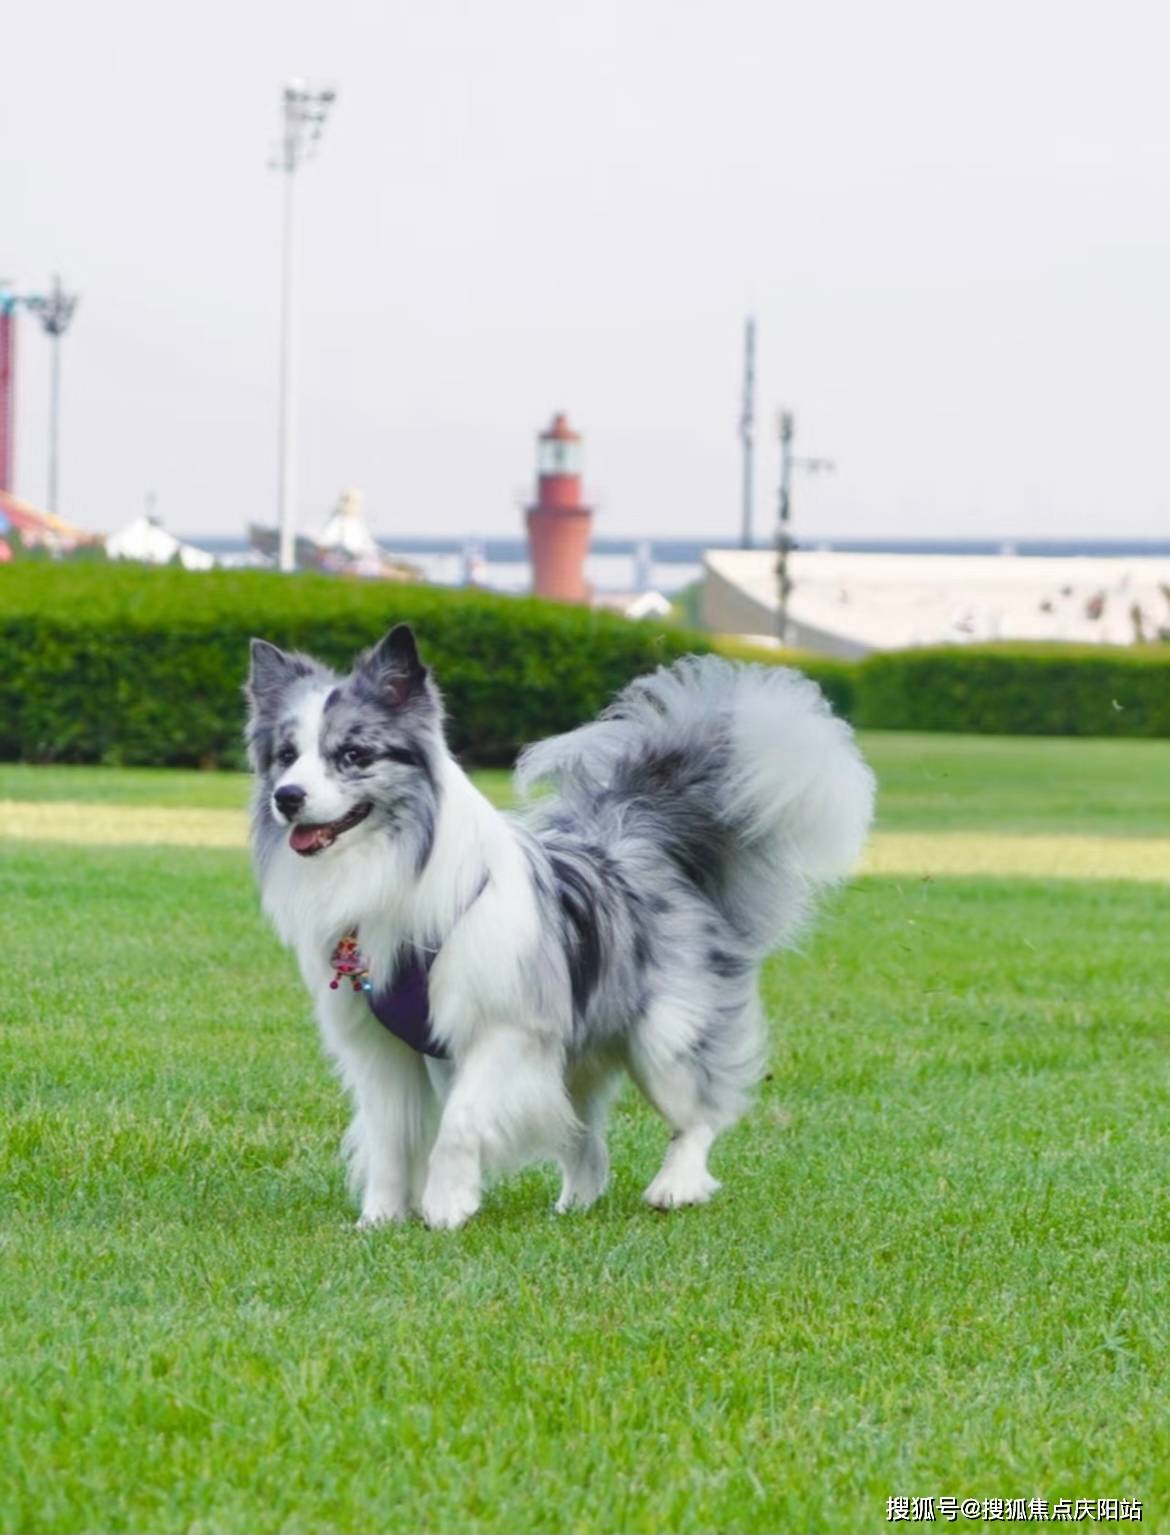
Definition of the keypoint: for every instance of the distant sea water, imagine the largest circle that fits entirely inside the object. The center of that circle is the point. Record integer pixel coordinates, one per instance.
(624, 564)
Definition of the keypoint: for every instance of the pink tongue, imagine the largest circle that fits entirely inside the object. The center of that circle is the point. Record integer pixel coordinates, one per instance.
(307, 839)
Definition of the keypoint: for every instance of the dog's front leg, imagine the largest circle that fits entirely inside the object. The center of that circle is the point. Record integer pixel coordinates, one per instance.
(395, 1111)
(507, 1101)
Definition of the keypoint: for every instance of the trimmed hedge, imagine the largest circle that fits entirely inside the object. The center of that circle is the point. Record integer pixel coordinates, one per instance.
(124, 664)
(1018, 689)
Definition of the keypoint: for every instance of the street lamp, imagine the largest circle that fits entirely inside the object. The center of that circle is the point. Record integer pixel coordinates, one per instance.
(305, 109)
(54, 310)
(786, 425)
(747, 422)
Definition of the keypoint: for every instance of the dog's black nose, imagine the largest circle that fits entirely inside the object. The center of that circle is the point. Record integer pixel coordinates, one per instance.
(289, 800)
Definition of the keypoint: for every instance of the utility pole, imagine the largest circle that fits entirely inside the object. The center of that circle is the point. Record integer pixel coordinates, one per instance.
(747, 423)
(787, 429)
(54, 312)
(305, 110)
(784, 541)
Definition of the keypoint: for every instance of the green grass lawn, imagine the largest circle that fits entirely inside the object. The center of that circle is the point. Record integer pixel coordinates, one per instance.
(928, 782)
(939, 1264)
(1017, 784)
(177, 787)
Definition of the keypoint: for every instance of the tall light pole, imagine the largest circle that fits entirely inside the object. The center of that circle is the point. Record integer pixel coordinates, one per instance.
(784, 540)
(55, 310)
(747, 421)
(305, 109)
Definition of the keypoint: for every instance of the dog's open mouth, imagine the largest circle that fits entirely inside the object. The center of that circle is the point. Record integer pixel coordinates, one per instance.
(306, 839)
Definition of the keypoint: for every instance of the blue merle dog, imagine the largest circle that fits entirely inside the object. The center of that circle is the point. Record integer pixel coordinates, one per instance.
(482, 981)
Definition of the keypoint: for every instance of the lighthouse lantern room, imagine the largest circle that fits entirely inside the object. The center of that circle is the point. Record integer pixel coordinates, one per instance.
(558, 451)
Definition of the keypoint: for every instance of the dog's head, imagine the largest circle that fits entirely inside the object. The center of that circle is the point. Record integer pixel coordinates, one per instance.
(335, 754)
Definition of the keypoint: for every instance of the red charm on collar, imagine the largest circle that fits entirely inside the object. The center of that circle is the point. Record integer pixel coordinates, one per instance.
(348, 960)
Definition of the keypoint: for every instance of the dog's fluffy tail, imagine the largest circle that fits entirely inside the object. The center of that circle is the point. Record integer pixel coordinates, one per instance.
(742, 772)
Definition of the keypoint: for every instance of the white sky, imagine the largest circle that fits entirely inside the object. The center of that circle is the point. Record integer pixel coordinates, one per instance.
(952, 222)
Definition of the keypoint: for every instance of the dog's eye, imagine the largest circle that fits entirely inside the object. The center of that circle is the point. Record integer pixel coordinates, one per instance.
(286, 756)
(357, 757)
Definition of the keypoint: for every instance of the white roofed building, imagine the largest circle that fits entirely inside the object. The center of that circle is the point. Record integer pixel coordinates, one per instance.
(847, 604)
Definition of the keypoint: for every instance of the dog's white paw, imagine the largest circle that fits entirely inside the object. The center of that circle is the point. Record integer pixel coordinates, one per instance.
(379, 1219)
(381, 1212)
(573, 1198)
(584, 1182)
(446, 1209)
(675, 1187)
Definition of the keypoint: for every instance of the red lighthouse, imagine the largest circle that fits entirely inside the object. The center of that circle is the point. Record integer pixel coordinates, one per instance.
(559, 523)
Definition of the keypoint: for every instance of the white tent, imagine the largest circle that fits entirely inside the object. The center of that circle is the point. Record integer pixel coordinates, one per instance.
(146, 541)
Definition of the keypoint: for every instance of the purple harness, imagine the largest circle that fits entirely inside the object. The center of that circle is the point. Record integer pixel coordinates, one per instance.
(403, 1005)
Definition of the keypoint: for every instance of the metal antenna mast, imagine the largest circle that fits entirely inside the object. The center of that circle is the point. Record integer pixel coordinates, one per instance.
(305, 109)
(747, 423)
(784, 540)
(54, 311)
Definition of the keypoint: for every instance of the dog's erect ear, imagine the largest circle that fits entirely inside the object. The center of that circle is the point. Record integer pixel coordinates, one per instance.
(271, 673)
(394, 668)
